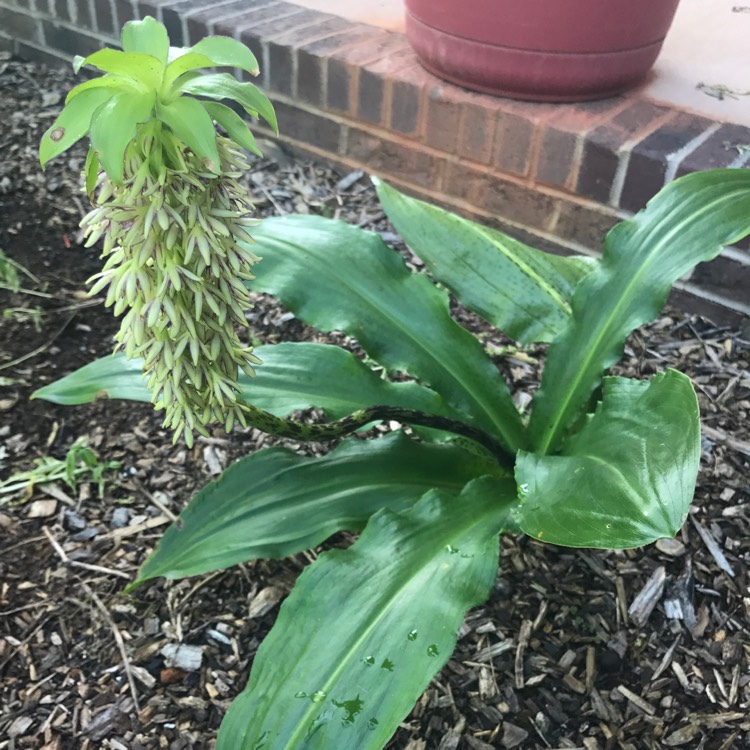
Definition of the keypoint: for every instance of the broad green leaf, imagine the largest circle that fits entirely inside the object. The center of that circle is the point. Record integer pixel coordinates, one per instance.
(276, 503)
(225, 86)
(234, 125)
(365, 629)
(190, 122)
(91, 171)
(113, 127)
(627, 478)
(338, 277)
(142, 68)
(71, 124)
(223, 50)
(522, 291)
(183, 64)
(689, 221)
(148, 37)
(113, 83)
(293, 376)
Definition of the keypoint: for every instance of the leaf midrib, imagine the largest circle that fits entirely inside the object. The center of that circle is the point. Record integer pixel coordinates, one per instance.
(595, 350)
(421, 346)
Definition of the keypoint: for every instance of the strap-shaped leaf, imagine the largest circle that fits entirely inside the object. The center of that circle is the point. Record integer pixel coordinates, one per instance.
(338, 277)
(293, 376)
(522, 291)
(190, 122)
(686, 223)
(225, 86)
(234, 125)
(148, 37)
(223, 50)
(627, 478)
(322, 680)
(113, 127)
(276, 503)
(71, 124)
(140, 67)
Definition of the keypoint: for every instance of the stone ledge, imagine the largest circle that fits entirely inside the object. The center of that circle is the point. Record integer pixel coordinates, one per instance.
(555, 175)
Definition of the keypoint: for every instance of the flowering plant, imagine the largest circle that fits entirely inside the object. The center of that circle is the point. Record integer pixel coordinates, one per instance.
(598, 461)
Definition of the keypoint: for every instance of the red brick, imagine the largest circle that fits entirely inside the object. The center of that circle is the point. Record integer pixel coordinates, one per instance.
(585, 224)
(719, 151)
(408, 99)
(124, 12)
(308, 127)
(343, 68)
(556, 162)
(477, 131)
(229, 19)
(514, 135)
(83, 15)
(401, 160)
(282, 49)
(69, 41)
(173, 14)
(21, 26)
(505, 200)
(105, 20)
(647, 167)
(604, 145)
(443, 116)
(312, 59)
(372, 104)
(725, 277)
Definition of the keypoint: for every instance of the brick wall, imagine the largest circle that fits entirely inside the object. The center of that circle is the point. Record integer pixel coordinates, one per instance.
(558, 176)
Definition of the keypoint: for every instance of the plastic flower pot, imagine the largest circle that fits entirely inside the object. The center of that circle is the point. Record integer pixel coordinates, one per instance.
(543, 50)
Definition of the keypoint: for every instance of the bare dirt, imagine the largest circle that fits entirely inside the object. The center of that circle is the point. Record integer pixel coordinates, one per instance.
(553, 660)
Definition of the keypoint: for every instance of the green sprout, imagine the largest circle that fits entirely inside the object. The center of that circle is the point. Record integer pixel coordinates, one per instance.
(81, 464)
(171, 211)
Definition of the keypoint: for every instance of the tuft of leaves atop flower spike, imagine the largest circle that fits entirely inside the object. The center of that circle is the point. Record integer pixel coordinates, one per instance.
(149, 80)
(171, 212)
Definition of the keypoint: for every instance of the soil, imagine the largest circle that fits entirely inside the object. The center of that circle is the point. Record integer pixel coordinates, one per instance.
(554, 659)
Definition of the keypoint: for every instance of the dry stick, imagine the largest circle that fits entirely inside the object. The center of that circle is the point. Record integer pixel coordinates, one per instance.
(154, 501)
(120, 643)
(39, 349)
(75, 563)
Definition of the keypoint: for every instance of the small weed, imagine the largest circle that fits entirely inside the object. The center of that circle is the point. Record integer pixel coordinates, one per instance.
(81, 464)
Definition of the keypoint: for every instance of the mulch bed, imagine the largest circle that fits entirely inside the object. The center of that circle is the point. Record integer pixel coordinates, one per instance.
(645, 648)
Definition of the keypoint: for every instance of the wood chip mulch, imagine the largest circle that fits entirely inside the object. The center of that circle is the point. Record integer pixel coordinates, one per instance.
(647, 648)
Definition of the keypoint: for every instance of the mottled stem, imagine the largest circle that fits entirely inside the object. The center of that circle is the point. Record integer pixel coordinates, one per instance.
(290, 428)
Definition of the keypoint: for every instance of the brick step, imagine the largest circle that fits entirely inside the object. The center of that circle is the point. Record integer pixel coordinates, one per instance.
(557, 176)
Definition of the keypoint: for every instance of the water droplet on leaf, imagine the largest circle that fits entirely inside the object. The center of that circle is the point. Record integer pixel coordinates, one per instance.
(300, 694)
(412, 635)
(432, 650)
(318, 696)
(372, 724)
(387, 664)
(451, 549)
(369, 660)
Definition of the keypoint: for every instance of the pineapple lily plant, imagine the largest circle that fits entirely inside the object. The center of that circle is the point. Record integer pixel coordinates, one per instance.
(597, 461)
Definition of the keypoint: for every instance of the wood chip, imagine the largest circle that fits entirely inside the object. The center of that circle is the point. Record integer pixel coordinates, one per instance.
(42, 508)
(183, 656)
(264, 601)
(713, 547)
(636, 700)
(648, 597)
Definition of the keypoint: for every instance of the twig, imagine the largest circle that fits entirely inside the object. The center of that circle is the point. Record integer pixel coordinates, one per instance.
(39, 349)
(719, 436)
(120, 643)
(76, 563)
(713, 547)
(160, 505)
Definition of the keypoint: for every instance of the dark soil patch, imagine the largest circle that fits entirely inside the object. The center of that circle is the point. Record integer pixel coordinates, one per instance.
(552, 660)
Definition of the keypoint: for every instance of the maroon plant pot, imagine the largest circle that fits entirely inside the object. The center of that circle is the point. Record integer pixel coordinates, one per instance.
(543, 50)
